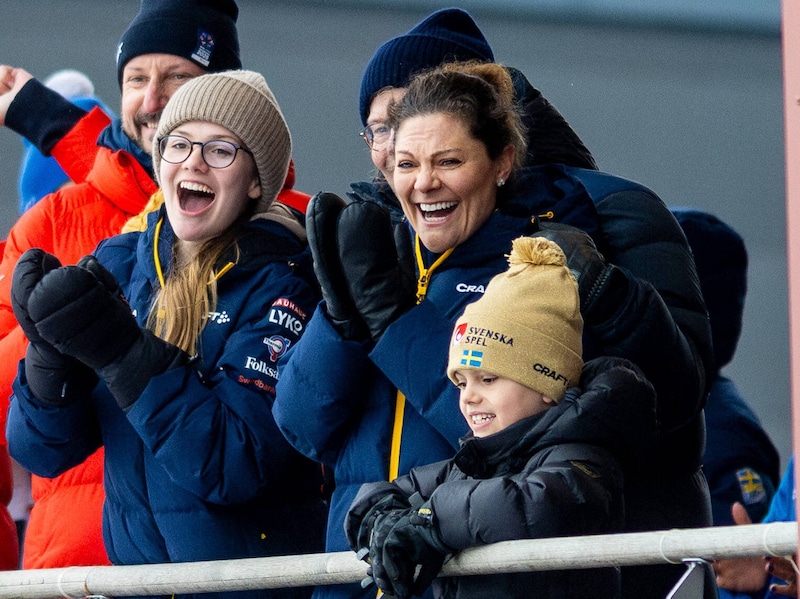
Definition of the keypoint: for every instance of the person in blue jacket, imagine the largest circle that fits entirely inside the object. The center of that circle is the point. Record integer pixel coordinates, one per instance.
(163, 347)
(390, 302)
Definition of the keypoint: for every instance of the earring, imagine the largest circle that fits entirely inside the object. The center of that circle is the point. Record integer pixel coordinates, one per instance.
(501, 182)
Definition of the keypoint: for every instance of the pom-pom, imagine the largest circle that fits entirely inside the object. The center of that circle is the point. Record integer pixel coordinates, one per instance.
(536, 251)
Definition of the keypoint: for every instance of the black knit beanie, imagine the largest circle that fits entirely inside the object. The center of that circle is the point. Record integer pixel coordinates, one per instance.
(447, 35)
(203, 31)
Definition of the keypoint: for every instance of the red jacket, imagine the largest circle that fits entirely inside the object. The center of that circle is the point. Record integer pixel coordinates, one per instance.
(64, 526)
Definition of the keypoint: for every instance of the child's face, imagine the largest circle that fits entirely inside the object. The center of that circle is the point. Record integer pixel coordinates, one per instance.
(491, 403)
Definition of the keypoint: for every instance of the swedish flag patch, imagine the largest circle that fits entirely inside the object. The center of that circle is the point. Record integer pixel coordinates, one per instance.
(472, 357)
(751, 486)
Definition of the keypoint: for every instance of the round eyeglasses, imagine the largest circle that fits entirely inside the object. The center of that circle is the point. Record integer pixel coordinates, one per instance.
(376, 135)
(216, 153)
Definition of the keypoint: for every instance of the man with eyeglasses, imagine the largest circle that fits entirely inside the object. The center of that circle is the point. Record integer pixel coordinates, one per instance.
(168, 43)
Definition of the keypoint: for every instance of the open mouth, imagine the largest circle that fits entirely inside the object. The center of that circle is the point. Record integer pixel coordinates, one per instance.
(194, 197)
(437, 212)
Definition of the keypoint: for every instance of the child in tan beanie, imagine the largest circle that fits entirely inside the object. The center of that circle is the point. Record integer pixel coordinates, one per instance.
(550, 440)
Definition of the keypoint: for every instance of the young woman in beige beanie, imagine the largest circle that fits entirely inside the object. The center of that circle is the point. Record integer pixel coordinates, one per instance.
(163, 347)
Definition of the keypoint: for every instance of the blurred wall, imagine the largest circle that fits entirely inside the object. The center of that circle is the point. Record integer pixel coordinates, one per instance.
(694, 112)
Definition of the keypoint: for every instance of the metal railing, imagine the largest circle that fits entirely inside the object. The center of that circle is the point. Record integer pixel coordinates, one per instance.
(668, 546)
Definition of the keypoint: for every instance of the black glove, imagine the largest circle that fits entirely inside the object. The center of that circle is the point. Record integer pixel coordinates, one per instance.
(322, 219)
(365, 509)
(412, 540)
(603, 288)
(54, 378)
(81, 312)
(378, 264)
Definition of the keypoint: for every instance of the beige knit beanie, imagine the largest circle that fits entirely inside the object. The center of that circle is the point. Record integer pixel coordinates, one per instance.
(527, 326)
(241, 102)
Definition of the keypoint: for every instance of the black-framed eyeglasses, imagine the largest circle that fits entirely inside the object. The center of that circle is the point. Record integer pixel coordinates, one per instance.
(216, 153)
(376, 135)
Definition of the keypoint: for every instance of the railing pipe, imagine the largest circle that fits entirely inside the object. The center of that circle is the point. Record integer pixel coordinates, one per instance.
(668, 546)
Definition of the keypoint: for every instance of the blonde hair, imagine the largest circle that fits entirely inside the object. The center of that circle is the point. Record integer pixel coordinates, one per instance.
(181, 307)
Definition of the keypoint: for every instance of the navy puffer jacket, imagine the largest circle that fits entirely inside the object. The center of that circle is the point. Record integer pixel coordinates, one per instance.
(197, 468)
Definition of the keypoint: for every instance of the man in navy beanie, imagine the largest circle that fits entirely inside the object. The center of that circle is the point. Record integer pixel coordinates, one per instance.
(168, 43)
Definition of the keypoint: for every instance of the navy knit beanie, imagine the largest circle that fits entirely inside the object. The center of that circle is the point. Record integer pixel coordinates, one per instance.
(721, 259)
(203, 31)
(447, 35)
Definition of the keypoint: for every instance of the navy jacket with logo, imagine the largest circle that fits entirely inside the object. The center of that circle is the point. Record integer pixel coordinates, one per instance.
(197, 468)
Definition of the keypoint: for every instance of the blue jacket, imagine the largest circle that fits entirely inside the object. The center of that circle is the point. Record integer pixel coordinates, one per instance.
(197, 468)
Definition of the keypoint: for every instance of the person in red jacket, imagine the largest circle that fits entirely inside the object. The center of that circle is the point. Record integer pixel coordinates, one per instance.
(168, 43)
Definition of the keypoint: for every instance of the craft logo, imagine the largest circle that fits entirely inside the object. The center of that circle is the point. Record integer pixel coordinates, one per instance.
(549, 373)
(466, 288)
(471, 357)
(458, 334)
(219, 317)
(205, 47)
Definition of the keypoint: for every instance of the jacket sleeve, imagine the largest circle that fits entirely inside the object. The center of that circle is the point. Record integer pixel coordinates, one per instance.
(215, 435)
(41, 115)
(662, 323)
(46, 440)
(322, 390)
(77, 149)
(571, 489)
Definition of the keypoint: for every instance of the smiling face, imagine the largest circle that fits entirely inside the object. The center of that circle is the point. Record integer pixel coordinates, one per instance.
(201, 201)
(383, 155)
(148, 81)
(445, 180)
(490, 403)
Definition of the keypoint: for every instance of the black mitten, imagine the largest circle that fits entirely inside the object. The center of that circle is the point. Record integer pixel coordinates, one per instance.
(53, 377)
(602, 287)
(322, 217)
(380, 278)
(412, 542)
(80, 311)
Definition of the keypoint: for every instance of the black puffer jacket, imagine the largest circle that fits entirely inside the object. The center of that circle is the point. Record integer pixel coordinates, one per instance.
(559, 473)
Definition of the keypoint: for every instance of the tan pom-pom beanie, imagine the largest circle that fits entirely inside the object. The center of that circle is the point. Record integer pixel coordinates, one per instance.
(527, 326)
(242, 102)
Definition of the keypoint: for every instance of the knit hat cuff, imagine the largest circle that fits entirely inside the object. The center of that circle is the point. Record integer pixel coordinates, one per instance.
(197, 32)
(528, 356)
